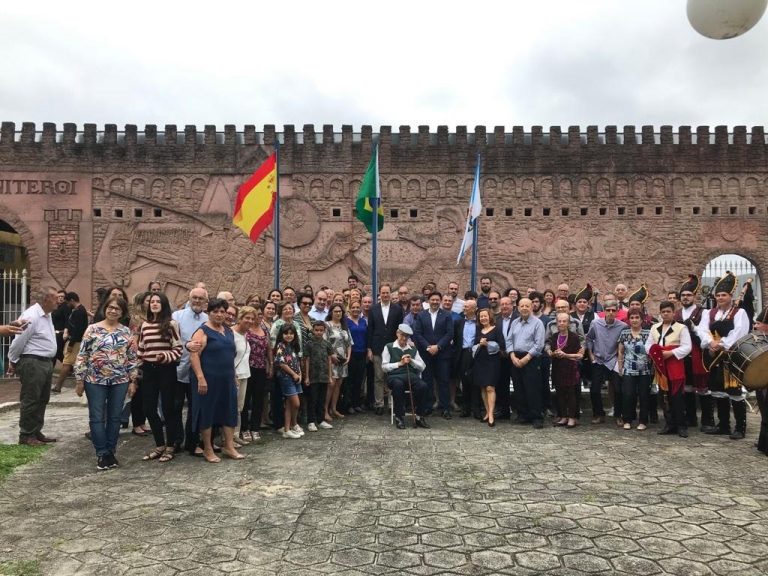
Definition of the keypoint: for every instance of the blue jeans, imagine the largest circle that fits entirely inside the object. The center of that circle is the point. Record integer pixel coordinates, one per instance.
(105, 404)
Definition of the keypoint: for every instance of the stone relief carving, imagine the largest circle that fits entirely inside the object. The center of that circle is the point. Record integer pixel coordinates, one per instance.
(299, 221)
(63, 246)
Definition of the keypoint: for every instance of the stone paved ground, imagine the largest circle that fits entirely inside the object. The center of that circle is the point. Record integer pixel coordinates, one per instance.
(365, 498)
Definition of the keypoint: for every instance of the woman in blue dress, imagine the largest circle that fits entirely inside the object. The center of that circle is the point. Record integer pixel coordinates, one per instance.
(214, 387)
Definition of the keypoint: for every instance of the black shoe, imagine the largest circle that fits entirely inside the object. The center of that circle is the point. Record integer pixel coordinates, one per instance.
(379, 410)
(737, 435)
(465, 414)
(102, 463)
(113, 463)
(399, 423)
(716, 430)
(428, 411)
(708, 429)
(682, 432)
(446, 414)
(421, 423)
(538, 424)
(667, 430)
(123, 425)
(519, 420)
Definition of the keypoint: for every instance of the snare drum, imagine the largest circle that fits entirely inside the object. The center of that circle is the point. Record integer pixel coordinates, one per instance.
(748, 361)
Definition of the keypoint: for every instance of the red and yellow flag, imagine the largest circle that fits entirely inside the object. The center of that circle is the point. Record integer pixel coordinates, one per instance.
(255, 204)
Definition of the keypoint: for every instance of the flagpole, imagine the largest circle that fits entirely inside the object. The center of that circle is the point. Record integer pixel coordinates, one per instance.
(277, 214)
(375, 233)
(473, 268)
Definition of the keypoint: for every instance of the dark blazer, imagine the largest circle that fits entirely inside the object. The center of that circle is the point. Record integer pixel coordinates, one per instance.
(380, 333)
(442, 335)
(495, 335)
(589, 316)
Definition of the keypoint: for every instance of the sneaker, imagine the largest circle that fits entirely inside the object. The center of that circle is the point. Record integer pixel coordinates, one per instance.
(256, 436)
(627, 426)
(102, 463)
(324, 425)
(298, 429)
(113, 463)
(311, 427)
(291, 434)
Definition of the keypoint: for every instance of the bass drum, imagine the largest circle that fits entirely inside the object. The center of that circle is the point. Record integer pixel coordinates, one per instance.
(748, 361)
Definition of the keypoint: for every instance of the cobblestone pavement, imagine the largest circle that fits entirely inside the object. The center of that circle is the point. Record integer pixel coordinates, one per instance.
(366, 498)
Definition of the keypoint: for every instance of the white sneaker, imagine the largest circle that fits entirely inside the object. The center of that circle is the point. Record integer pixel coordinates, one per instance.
(291, 434)
(298, 429)
(311, 427)
(324, 425)
(256, 436)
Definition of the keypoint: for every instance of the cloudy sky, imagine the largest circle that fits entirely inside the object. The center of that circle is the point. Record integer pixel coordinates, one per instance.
(550, 62)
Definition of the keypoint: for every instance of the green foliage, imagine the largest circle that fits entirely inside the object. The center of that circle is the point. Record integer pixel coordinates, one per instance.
(20, 568)
(13, 455)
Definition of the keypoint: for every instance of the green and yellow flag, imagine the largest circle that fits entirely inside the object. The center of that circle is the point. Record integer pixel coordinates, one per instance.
(370, 189)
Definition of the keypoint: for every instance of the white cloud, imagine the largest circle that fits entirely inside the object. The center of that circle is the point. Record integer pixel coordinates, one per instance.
(491, 63)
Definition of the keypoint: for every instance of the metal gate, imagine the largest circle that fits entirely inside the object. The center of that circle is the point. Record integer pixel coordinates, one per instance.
(742, 268)
(13, 301)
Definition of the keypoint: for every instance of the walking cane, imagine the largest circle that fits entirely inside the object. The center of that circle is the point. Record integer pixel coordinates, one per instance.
(410, 392)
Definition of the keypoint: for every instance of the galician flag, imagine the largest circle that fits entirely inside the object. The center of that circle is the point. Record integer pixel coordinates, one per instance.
(369, 189)
(475, 208)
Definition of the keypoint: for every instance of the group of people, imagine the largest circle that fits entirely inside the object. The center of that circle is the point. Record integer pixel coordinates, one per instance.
(300, 360)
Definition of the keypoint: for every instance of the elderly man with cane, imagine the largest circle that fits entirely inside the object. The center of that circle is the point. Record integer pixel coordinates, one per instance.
(402, 364)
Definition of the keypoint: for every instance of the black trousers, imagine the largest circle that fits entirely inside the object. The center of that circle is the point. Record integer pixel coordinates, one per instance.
(601, 374)
(370, 386)
(278, 416)
(762, 404)
(355, 377)
(546, 395)
(634, 388)
(159, 381)
(527, 383)
(35, 375)
(399, 385)
(316, 401)
(503, 396)
(470, 394)
(190, 435)
(250, 417)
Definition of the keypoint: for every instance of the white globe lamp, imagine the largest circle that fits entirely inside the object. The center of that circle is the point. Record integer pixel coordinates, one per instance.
(723, 19)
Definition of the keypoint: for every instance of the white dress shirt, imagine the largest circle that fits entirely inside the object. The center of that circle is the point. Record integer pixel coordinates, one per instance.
(740, 328)
(680, 352)
(385, 312)
(38, 338)
(433, 315)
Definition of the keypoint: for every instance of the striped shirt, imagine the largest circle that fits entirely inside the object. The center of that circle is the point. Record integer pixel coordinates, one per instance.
(157, 348)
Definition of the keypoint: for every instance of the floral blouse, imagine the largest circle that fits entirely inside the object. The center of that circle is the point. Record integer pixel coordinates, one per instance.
(259, 346)
(286, 355)
(106, 358)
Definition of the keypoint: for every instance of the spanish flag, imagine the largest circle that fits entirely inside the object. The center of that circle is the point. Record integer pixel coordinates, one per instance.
(255, 204)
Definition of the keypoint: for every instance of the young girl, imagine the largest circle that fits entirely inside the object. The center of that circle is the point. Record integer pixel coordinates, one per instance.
(288, 375)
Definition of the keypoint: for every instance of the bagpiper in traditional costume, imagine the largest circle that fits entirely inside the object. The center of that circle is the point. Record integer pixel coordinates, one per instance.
(720, 328)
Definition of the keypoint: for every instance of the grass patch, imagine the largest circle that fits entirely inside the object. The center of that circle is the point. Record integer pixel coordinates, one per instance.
(20, 568)
(13, 455)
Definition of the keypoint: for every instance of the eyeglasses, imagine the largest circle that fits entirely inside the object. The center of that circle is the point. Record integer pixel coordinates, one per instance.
(492, 299)
(198, 298)
(114, 308)
(610, 309)
(306, 304)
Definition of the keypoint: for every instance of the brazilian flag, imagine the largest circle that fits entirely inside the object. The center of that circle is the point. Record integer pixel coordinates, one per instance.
(370, 189)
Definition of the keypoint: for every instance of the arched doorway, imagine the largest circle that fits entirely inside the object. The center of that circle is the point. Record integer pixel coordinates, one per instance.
(14, 285)
(744, 270)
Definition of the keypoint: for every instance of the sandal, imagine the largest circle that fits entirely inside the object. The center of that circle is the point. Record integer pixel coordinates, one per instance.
(167, 456)
(211, 460)
(154, 454)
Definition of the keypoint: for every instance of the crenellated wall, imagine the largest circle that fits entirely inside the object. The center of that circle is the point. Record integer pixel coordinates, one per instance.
(636, 205)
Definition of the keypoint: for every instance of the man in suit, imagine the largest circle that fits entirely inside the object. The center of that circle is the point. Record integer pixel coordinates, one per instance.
(463, 339)
(383, 320)
(433, 332)
(504, 321)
